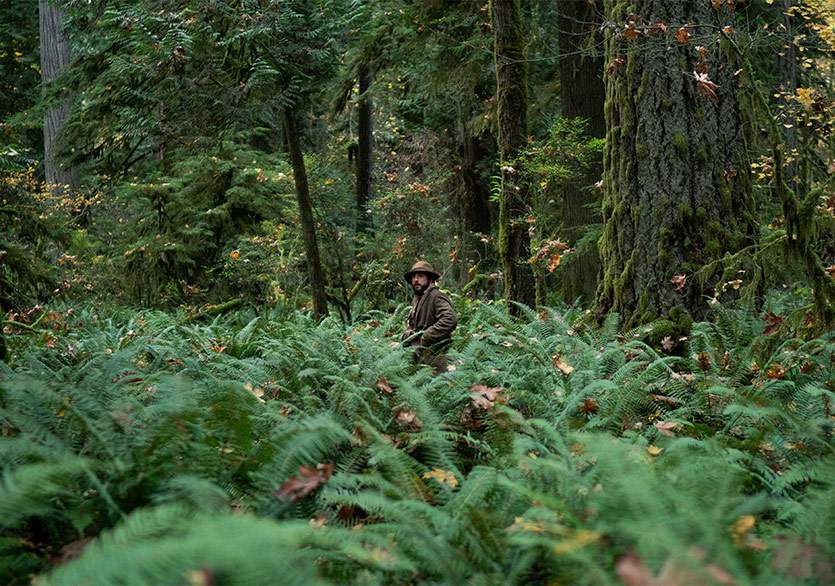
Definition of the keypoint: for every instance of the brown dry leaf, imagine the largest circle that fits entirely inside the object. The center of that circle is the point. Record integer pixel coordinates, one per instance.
(667, 343)
(679, 281)
(298, 487)
(702, 51)
(485, 391)
(659, 25)
(683, 35)
(481, 401)
(384, 386)
(707, 89)
(610, 70)
(589, 407)
(665, 427)
(774, 322)
(407, 417)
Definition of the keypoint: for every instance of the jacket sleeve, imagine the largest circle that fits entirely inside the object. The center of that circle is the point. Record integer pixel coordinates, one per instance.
(445, 321)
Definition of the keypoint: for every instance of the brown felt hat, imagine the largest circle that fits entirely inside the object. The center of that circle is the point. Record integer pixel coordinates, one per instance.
(422, 266)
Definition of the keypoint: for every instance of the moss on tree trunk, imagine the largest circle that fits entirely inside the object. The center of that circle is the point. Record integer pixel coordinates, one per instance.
(512, 99)
(676, 188)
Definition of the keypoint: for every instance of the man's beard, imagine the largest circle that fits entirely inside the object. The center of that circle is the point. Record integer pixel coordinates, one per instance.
(420, 289)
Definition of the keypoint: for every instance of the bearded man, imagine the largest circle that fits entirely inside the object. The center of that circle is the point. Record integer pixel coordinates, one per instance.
(431, 320)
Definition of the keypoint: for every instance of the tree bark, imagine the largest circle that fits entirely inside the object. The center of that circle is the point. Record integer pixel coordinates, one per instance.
(308, 224)
(365, 151)
(55, 55)
(582, 94)
(787, 58)
(512, 101)
(676, 183)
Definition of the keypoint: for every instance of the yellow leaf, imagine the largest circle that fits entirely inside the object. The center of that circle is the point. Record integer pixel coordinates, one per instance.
(442, 476)
(654, 450)
(565, 368)
(235, 253)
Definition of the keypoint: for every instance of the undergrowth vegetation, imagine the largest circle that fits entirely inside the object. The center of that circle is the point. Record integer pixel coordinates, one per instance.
(151, 447)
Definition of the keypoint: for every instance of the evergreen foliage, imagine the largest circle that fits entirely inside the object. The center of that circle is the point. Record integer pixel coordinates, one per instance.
(167, 450)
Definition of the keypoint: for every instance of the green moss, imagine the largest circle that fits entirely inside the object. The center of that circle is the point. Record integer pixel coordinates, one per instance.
(701, 214)
(685, 212)
(701, 156)
(680, 143)
(713, 249)
(667, 103)
(687, 242)
(713, 227)
(641, 150)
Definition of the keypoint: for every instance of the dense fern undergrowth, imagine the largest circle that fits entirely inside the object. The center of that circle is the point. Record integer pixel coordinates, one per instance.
(149, 447)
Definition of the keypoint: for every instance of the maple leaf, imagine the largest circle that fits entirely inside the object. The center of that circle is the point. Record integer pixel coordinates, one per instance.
(298, 487)
(589, 407)
(683, 35)
(407, 417)
(609, 71)
(679, 281)
(489, 392)
(667, 343)
(442, 476)
(481, 401)
(659, 25)
(665, 427)
(774, 322)
(707, 89)
(702, 51)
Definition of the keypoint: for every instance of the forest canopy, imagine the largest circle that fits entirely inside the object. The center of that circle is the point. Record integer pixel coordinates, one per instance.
(207, 210)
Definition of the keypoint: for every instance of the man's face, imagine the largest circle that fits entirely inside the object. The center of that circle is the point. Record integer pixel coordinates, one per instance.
(420, 281)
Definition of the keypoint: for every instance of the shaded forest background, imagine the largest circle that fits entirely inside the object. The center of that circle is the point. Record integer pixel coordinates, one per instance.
(207, 210)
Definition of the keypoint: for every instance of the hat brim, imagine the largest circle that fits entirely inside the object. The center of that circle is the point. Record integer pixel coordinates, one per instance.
(408, 276)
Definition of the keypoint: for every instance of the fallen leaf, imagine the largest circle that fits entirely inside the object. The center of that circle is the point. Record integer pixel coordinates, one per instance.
(565, 368)
(384, 386)
(298, 487)
(667, 343)
(679, 281)
(442, 476)
(665, 427)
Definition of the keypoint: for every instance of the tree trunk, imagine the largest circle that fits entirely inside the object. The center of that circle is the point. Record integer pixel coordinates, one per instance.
(787, 58)
(365, 151)
(308, 225)
(55, 55)
(512, 100)
(582, 94)
(676, 183)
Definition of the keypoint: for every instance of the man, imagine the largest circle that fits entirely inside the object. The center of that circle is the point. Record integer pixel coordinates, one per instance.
(431, 320)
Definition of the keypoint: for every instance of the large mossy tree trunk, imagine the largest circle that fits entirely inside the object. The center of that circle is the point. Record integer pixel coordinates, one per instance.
(512, 100)
(55, 55)
(676, 185)
(308, 224)
(582, 95)
(365, 146)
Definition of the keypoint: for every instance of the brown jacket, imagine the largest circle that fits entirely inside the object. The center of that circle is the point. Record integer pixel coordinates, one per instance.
(431, 320)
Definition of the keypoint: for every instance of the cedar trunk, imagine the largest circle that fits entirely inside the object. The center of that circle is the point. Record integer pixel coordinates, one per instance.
(512, 100)
(55, 55)
(365, 147)
(582, 94)
(308, 225)
(676, 186)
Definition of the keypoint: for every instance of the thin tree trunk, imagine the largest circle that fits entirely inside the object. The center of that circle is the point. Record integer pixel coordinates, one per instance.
(582, 94)
(676, 182)
(512, 100)
(55, 55)
(365, 151)
(308, 225)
